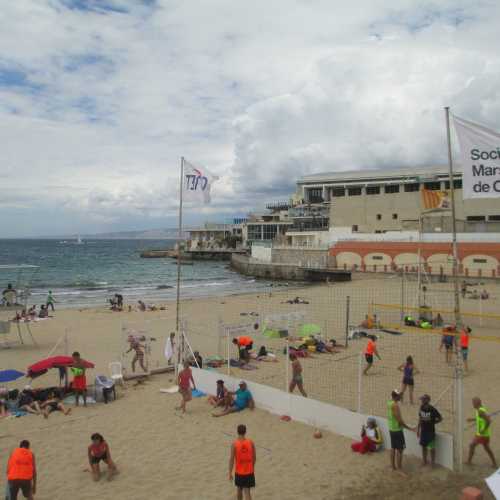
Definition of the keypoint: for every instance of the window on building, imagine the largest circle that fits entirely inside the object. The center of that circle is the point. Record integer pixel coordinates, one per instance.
(475, 218)
(373, 190)
(337, 192)
(394, 216)
(379, 216)
(254, 232)
(457, 184)
(354, 191)
(355, 228)
(479, 261)
(494, 217)
(315, 195)
(392, 188)
(411, 188)
(432, 186)
(377, 257)
(269, 231)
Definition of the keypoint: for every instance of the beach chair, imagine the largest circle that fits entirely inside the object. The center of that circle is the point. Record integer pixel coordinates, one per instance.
(116, 372)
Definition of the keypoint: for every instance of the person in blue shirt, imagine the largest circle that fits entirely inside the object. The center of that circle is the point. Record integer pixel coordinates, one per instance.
(242, 399)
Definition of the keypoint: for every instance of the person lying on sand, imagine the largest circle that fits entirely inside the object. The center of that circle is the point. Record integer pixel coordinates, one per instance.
(99, 450)
(27, 403)
(243, 399)
(53, 404)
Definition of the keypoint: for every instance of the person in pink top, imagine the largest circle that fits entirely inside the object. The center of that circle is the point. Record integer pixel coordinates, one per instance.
(184, 380)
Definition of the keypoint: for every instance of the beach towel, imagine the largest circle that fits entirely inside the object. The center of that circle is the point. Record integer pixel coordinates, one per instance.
(197, 394)
(171, 390)
(169, 349)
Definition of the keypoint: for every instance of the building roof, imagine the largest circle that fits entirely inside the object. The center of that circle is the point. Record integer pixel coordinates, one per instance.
(378, 174)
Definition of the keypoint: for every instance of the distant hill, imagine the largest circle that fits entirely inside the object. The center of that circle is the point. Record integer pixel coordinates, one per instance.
(147, 234)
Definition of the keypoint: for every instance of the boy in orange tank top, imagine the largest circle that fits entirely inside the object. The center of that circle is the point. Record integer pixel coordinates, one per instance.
(242, 460)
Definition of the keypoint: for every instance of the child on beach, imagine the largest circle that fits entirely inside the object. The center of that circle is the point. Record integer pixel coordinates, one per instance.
(185, 380)
(99, 450)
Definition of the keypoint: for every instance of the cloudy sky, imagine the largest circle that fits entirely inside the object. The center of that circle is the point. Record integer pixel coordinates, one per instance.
(100, 98)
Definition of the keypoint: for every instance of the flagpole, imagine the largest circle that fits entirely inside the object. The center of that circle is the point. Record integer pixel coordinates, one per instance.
(458, 320)
(179, 236)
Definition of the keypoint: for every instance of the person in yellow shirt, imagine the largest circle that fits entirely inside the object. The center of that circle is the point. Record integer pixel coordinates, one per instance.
(483, 431)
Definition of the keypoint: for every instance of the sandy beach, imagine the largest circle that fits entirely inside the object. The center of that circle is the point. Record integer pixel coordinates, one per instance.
(162, 454)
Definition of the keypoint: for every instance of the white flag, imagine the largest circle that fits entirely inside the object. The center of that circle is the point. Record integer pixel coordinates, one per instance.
(480, 154)
(197, 183)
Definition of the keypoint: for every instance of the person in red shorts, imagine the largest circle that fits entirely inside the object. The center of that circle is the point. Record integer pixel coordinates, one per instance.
(79, 379)
(242, 460)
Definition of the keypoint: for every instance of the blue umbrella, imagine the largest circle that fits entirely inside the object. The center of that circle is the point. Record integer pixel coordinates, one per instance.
(10, 375)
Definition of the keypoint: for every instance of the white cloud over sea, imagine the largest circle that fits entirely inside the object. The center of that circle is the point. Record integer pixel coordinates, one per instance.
(100, 98)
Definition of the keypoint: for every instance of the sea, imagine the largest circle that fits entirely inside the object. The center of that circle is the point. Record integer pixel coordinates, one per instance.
(89, 273)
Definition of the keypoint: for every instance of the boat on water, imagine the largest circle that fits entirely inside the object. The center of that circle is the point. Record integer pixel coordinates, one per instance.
(79, 240)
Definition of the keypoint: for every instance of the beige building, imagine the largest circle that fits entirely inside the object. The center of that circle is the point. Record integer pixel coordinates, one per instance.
(377, 201)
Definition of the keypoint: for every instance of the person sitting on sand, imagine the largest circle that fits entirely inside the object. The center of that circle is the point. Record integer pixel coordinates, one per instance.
(243, 399)
(184, 380)
(221, 396)
(3, 403)
(142, 305)
(368, 322)
(27, 402)
(371, 438)
(475, 295)
(136, 346)
(99, 450)
(196, 361)
(53, 404)
(485, 295)
(44, 312)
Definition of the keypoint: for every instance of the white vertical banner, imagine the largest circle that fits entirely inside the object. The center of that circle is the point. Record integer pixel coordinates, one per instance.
(480, 158)
(197, 183)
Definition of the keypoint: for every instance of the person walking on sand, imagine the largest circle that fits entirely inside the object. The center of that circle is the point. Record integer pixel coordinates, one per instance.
(50, 301)
(409, 371)
(99, 450)
(136, 346)
(242, 460)
(297, 380)
(185, 379)
(21, 472)
(371, 349)
(79, 379)
(396, 426)
(464, 346)
(483, 431)
(428, 417)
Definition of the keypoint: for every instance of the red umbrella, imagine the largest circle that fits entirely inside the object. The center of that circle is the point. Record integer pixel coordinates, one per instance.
(45, 365)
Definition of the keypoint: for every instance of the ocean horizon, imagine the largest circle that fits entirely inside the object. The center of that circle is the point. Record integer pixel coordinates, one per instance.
(90, 273)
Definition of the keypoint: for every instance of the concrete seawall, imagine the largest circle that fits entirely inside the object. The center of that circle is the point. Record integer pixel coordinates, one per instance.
(250, 267)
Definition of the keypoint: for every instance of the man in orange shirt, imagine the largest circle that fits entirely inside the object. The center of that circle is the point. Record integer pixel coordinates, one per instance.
(370, 350)
(245, 345)
(464, 345)
(242, 460)
(21, 471)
